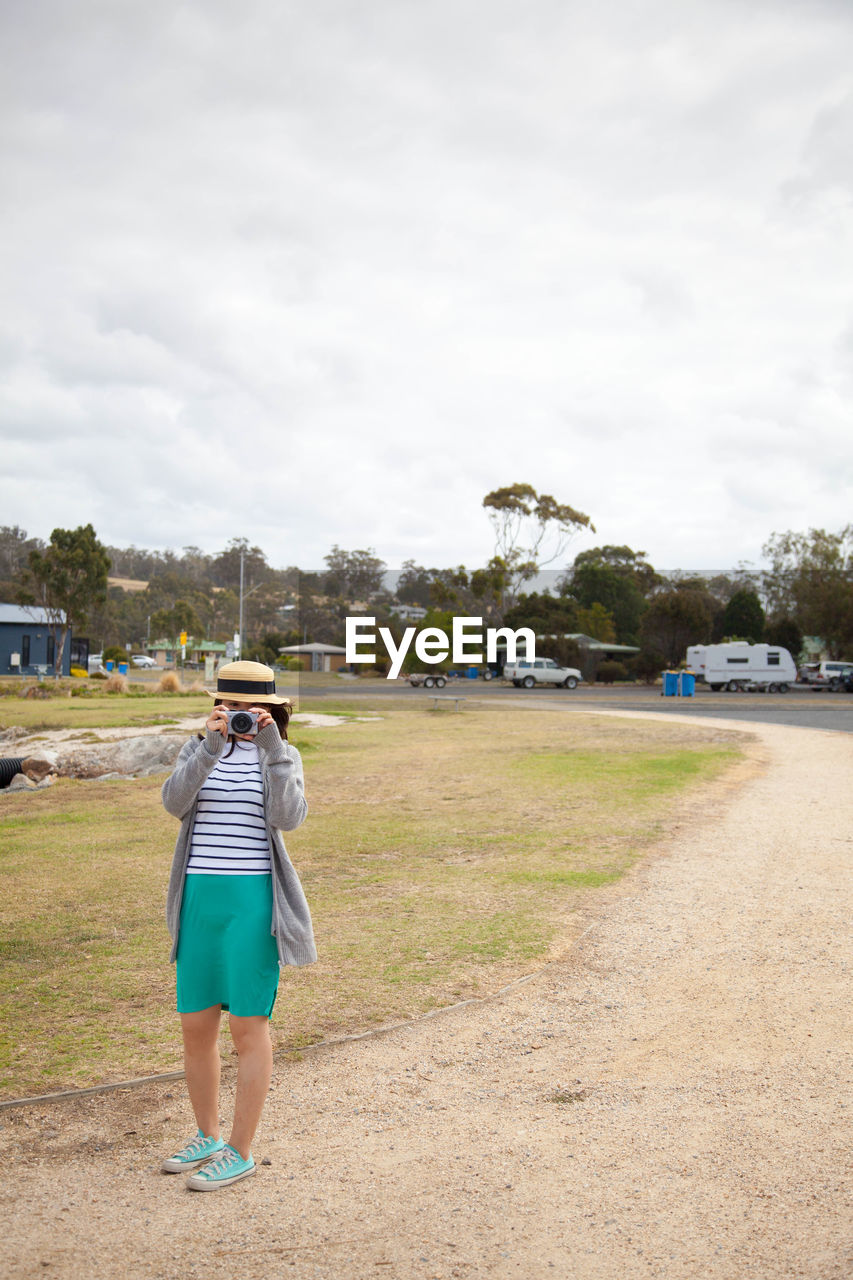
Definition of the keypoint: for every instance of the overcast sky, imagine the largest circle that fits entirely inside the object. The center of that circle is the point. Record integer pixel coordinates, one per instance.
(328, 272)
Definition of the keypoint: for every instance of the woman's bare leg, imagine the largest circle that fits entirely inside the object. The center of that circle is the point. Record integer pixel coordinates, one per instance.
(202, 1066)
(254, 1075)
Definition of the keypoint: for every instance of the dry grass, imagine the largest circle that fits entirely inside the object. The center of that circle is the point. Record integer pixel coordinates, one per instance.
(116, 683)
(443, 855)
(169, 682)
(99, 710)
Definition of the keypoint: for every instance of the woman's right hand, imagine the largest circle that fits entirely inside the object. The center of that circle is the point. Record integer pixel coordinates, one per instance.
(217, 721)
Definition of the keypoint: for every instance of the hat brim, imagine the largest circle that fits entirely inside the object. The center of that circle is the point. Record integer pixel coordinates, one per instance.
(252, 699)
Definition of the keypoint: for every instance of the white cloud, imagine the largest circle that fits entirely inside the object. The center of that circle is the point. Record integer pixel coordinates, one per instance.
(361, 266)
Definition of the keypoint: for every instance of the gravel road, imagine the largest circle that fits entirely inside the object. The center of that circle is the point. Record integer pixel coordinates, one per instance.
(670, 1097)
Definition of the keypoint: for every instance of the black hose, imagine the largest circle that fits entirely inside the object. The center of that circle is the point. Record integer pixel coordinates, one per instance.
(8, 768)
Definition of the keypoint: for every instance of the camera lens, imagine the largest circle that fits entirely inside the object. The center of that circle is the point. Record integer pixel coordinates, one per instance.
(241, 722)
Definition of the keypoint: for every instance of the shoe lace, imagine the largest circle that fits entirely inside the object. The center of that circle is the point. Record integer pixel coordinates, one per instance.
(222, 1161)
(194, 1148)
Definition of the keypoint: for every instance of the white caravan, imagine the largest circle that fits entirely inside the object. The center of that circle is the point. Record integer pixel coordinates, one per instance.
(729, 666)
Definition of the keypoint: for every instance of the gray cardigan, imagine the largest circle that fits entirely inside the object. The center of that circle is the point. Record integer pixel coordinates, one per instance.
(285, 807)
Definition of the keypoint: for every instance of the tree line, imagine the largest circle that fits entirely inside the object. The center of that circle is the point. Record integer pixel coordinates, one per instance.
(610, 593)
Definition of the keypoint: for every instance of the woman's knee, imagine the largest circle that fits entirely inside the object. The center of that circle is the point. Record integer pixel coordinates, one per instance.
(249, 1034)
(201, 1029)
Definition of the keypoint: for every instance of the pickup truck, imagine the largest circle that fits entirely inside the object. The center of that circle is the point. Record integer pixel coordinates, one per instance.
(542, 671)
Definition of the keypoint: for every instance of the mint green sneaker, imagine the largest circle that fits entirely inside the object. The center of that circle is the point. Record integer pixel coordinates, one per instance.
(193, 1154)
(226, 1168)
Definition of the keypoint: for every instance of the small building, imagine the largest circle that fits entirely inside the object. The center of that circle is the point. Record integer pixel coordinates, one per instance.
(162, 651)
(167, 654)
(198, 651)
(27, 644)
(317, 657)
(814, 649)
(409, 612)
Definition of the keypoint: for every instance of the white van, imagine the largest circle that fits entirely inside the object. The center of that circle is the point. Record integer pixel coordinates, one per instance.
(729, 666)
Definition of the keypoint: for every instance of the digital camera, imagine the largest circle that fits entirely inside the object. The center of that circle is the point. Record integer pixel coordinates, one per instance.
(242, 722)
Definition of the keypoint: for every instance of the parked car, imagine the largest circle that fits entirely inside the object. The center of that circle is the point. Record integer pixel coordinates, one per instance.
(824, 675)
(847, 682)
(542, 671)
(143, 660)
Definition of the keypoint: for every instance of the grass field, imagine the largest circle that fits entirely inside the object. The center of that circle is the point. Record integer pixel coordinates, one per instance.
(101, 711)
(443, 855)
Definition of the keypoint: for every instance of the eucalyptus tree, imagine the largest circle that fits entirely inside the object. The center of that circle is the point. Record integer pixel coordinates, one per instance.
(67, 579)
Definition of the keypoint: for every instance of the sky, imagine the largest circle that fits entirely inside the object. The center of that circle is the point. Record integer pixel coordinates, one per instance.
(329, 273)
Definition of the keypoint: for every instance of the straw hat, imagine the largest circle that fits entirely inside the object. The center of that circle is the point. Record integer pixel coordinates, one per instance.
(246, 682)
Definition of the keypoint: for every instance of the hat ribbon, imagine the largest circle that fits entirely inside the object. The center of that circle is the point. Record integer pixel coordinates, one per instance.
(245, 686)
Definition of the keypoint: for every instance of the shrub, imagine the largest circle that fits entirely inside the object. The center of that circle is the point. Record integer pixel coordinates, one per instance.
(116, 684)
(610, 670)
(169, 683)
(98, 675)
(79, 673)
(648, 665)
(566, 653)
(115, 653)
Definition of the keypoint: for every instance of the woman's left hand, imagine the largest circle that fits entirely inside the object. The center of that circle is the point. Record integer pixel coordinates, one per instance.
(264, 717)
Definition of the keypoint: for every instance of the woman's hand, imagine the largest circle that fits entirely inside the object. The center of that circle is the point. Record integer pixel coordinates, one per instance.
(264, 718)
(217, 721)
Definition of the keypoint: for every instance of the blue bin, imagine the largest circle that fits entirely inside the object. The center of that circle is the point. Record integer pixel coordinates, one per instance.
(122, 668)
(109, 665)
(688, 684)
(472, 673)
(670, 684)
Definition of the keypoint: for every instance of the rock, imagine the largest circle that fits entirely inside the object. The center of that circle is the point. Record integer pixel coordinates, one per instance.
(14, 732)
(36, 768)
(128, 757)
(20, 783)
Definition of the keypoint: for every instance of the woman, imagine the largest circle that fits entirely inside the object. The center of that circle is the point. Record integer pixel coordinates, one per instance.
(235, 908)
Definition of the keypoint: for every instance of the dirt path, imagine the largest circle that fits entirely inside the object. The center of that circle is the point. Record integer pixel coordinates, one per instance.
(671, 1098)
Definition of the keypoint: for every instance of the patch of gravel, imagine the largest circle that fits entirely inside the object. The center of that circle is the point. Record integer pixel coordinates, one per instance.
(670, 1098)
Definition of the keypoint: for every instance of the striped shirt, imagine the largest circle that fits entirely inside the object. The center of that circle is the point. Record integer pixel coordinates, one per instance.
(230, 834)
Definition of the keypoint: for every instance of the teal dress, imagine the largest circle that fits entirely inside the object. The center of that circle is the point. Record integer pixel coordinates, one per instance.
(227, 954)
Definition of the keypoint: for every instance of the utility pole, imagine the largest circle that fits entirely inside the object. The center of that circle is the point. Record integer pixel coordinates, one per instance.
(240, 624)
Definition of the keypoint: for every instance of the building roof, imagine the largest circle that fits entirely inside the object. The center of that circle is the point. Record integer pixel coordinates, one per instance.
(28, 614)
(314, 648)
(588, 642)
